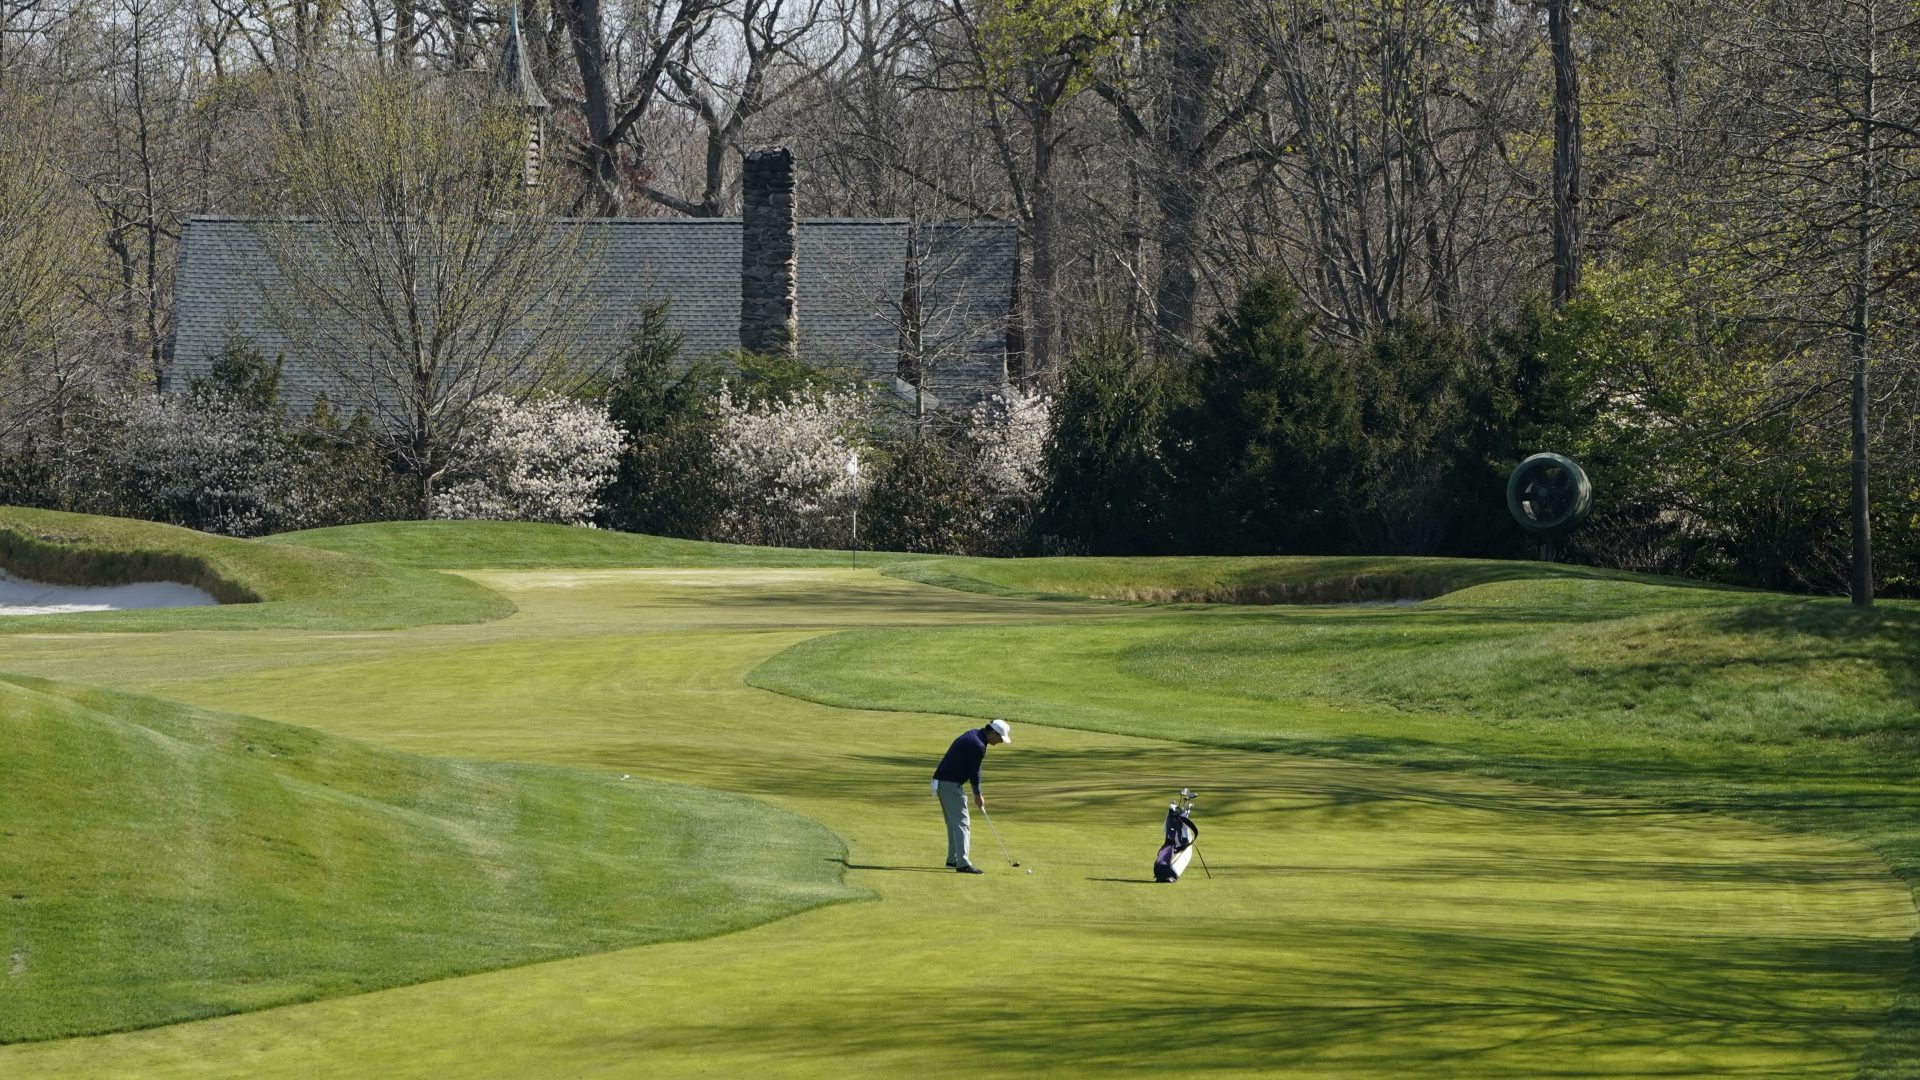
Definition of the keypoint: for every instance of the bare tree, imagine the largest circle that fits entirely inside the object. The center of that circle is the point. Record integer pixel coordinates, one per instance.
(420, 275)
(1567, 159)
(1822, 190)
(769, 49)
(45, 354)
(1026, 63)
(1179, 103)
(135, 170)
(883, 138)
(1385, 159)
(618, 92)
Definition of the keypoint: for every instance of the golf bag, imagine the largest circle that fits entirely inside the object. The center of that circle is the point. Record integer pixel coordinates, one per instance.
(1181, 833)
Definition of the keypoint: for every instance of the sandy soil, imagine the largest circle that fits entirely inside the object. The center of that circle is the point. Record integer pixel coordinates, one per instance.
(19, 596)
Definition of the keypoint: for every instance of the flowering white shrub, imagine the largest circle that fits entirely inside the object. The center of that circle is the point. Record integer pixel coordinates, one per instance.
(543, 459)
(1010, 438)
(209, 461)
(782, 468)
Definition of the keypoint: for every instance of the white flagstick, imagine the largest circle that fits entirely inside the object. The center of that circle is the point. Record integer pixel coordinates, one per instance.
(853, 474)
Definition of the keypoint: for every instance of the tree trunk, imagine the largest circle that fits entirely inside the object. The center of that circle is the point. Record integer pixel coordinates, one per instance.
(714, 186)
(1043, 296)
(422, 440)
(1191, 65)
(1862, 584)
(589, 48)
(1566, 152)
(1860, 333)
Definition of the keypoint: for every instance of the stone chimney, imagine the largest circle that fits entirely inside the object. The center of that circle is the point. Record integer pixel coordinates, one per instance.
(767, 293)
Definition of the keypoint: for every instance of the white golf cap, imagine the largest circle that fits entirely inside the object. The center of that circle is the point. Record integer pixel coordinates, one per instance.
(1005, 732)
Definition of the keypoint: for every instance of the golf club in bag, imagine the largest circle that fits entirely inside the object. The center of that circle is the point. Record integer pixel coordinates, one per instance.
(1180, 846)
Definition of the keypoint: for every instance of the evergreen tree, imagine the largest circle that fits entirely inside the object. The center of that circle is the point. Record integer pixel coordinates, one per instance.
(1266, 440)
(1106, 481)
(665, 481)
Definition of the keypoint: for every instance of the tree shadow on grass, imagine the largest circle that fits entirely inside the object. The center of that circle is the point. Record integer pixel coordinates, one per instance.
(1375, 998)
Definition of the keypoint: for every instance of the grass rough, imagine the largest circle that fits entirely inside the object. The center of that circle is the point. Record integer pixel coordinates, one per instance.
(1255, 580)
(477, 545)
(164, 863)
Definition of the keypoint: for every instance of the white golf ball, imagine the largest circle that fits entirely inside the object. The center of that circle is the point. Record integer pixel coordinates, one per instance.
(1029, 871)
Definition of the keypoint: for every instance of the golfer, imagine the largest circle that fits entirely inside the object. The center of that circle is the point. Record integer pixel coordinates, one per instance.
(962, 766)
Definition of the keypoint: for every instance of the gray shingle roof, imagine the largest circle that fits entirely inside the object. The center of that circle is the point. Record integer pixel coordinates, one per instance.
(852, 274)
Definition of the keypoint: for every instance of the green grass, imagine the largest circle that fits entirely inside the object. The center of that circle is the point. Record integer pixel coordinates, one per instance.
(473, 545)
(1644, 917)
(1799, 713)
(295, 587)
(1248, 579)
(164, 863)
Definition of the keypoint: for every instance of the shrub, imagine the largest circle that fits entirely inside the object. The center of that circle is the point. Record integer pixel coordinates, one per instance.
(348, 478)
(543, 459)
(212, 461)
(1009, 441)
(221, 457)
(781, 467)
(926, 497)
(665, 481)
(1265, 438)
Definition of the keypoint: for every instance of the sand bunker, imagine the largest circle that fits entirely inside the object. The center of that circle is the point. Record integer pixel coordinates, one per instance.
(19, 596)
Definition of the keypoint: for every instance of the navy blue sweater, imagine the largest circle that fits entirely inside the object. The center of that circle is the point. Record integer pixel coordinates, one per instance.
(962, 763)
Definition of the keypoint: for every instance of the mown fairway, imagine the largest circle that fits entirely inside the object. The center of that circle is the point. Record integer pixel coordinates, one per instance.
(1365, 919)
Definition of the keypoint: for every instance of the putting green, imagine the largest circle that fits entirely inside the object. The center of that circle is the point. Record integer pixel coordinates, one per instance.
(1363, 921)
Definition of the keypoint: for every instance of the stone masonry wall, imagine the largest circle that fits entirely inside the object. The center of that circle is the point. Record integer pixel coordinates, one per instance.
(768, 298)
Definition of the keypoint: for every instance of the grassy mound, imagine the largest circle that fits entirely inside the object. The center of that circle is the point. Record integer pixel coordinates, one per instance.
(475, 545)
(1565, 668)
(259, 584)
(1241, 579)
(164, 863)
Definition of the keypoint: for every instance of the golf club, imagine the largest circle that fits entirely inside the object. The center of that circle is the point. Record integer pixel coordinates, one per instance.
(996, 835)
(1189, 795)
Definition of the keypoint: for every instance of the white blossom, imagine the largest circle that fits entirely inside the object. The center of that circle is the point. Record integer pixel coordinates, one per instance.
(209, 462)
(1012, 441)
(543, 459)
(782, 468)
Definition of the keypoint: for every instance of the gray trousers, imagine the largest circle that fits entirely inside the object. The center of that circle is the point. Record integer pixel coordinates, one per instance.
(953, 807)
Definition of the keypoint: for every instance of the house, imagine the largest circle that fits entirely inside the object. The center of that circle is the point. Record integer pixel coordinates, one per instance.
(927, 309)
